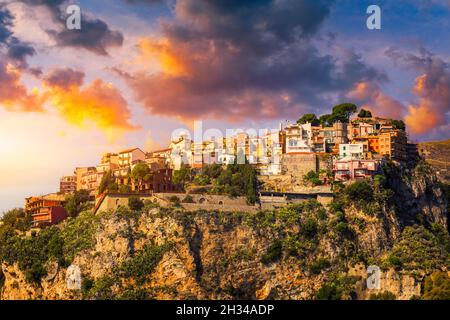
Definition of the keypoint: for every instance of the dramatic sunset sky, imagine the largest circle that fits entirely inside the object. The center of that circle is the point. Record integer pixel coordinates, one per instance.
(139, 69)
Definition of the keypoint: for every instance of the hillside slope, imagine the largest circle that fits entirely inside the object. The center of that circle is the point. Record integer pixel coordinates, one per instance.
(437, 154)
(304, 251)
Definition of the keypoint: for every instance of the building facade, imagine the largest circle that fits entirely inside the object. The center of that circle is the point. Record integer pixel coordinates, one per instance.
(68, 184)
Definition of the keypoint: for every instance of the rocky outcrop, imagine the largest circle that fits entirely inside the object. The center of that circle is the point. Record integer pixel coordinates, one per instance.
(217, 255)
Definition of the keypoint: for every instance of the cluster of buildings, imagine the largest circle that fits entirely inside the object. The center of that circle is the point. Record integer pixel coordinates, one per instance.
(120, 166)
(346, 150)
(350, 150)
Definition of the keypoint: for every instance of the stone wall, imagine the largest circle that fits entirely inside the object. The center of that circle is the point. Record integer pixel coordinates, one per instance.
(297, 165)
(113, 201)
(214, 202)
(210, 202)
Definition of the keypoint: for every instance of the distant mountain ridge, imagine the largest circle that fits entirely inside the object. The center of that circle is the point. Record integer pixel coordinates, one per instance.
(437, 154)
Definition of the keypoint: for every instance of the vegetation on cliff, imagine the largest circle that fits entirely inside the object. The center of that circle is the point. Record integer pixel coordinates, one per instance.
(233, 180)
(302, 251)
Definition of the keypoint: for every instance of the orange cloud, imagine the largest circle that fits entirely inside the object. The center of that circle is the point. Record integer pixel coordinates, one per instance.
(421, 119)
(434, 101)
(98, 103)
(163, 54)
(371, 97)
(14, 96)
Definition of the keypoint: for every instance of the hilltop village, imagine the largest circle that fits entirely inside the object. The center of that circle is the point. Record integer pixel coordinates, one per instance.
(242, 172)
(301, 212)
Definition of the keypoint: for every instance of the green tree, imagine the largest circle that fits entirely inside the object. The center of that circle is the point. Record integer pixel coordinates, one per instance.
(274, 252)
(359, 190)
(398, 124)
(309, 118)
(437, 286)
(213, 171)
(108, 181)
(363, 113)
(141, 174)
(326, 120)
(342, 112)
(77, 202)
(385, 295)
(313, 177)
(135, 203)
(201, 179)
(182, 176)
(175, 201)
(124, 188)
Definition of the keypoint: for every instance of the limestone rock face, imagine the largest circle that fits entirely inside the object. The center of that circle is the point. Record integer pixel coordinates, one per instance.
(417, 194)
(218, 255)
(403, 286)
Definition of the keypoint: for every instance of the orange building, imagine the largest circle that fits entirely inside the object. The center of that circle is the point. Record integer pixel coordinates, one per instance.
(374, 144)
(393, 144)
(46, 210)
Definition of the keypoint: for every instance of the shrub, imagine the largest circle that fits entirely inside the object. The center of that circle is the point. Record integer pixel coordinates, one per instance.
(141, 265)
(437, 286)
(132, 293)
(86, 285)
(385, 295)
(201, 179)
(52, 243)
(77, 203)
(135, 203)
(174, 200)
(418, 248)
(273, 253)
(359, 190)
(124, 188)
(313, 177)
(317, 266)
(78, 234)
(32, 253)
(341, 227)
(329, 291)
(337, 288)
(308, 228)
(188, 199)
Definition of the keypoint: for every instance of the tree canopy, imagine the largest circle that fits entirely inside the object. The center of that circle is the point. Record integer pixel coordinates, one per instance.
(77, 202)
(108, 183)
(182, 176)
(398, 124)
(141, 173)
(309, 118)
(342, 112)
(363, 113)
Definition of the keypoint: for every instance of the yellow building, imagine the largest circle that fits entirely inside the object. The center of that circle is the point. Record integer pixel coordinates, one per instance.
(393, 144)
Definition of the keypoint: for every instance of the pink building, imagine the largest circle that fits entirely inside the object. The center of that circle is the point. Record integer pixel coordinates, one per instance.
(349, 169)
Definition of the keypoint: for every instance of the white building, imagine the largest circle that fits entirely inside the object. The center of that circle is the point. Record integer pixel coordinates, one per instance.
(181, 152)
(351, 150)
(297, 139)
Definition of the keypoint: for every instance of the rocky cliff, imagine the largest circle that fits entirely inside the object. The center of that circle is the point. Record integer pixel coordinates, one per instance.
(305, 251)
